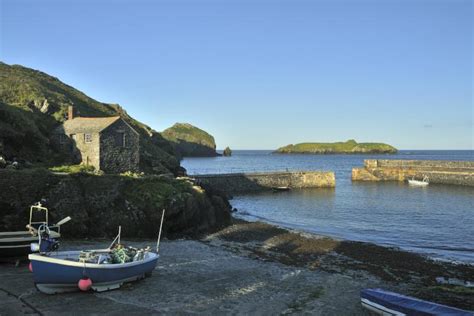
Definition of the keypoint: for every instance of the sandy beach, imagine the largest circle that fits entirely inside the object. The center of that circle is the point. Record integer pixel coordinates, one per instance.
(249, 268)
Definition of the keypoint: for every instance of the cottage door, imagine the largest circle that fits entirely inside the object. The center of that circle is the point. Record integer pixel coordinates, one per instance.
(75, 152)
(73, 143)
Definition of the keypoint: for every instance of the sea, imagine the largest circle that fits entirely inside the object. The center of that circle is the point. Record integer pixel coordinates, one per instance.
(437, 220)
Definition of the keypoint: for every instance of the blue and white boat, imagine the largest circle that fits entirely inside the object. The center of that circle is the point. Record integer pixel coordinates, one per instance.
(17, 245)
(99, 269)
(387, 303)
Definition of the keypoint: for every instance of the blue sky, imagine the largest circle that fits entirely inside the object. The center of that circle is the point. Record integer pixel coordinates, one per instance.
(261, 74)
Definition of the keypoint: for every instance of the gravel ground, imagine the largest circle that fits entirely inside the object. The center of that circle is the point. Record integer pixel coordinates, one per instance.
(248, 268)
(196, 278)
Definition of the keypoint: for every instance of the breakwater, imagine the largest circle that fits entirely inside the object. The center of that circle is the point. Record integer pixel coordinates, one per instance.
(254, 182)
(441, 172)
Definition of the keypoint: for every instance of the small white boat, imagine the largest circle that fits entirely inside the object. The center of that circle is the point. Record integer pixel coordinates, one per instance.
(17, 244)
(281, 189)
(419, 183)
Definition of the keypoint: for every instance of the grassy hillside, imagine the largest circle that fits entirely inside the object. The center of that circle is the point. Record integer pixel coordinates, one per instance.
(348, 147)
(32, 103)
(99, 204)
(190, 141)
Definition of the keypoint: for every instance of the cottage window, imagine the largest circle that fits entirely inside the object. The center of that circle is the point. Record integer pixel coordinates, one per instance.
(87, 138)
(121, 139)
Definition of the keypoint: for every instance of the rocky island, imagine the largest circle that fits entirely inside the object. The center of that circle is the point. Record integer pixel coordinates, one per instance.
(348, 147)
(190, 141)
(227, 152)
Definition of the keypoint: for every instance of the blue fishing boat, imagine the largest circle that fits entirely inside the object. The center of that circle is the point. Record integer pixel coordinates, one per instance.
(387, 303)
(98, 270)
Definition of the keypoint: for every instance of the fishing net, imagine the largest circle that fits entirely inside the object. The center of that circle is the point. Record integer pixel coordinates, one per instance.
(121, 254)
(118, 254)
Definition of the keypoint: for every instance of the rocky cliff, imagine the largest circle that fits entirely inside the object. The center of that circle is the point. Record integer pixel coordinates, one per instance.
(348, 147)
(99, 204)
(32, 103)
(190, 141)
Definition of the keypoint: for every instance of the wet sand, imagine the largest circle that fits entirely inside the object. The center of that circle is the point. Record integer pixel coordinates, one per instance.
(249, 268)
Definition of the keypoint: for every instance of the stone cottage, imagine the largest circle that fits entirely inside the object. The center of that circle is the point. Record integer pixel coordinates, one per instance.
(107, 143)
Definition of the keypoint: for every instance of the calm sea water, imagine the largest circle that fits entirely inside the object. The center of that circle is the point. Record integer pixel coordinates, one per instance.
(437, 220)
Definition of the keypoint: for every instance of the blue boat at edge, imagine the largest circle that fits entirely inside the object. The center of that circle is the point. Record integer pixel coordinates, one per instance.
(387, 303)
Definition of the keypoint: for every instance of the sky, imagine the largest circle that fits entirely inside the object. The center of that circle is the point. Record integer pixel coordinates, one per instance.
(261, 74)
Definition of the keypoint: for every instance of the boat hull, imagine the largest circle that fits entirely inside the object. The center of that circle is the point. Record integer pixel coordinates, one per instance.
(17, 245)
(15, 251)
(417, 183)
(58, 275)
(281, 189)
(386, 303)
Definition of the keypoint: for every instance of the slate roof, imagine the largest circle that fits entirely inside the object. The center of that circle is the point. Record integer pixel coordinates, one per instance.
(87, 124)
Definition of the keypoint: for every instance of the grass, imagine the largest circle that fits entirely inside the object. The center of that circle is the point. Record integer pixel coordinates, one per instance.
(158, 193)
(130, 174)
(73, 169)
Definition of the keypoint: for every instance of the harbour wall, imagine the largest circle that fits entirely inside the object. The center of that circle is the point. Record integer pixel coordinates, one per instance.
(438, 171)
(233, 183)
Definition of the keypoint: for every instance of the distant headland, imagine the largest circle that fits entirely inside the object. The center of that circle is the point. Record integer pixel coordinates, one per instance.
(348, 147)
(190, 141)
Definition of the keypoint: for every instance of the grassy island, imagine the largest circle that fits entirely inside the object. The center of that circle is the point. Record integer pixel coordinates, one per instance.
(348, 147)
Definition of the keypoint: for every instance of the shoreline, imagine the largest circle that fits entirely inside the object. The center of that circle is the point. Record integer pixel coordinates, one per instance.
(295, 229)
(236, 269)
(415, 273)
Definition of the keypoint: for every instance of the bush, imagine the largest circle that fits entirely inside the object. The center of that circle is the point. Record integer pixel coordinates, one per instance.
(131, 174)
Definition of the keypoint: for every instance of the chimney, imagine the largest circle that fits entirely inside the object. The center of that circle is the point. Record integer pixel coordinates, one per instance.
(70, 112)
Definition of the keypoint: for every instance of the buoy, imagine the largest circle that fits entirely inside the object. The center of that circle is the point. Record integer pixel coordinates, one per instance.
(84, 284)
(30, 267)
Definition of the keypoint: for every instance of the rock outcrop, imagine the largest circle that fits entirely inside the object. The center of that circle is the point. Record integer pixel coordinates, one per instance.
(99, 204)
(348, 147)
(190, 141)
(227, 152)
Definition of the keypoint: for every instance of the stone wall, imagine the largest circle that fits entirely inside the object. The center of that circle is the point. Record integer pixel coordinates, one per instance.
(99, 204)
(117, 154)
(442, 172)
(233, 183)
(89, 152)
(421, 164)
(78, 149)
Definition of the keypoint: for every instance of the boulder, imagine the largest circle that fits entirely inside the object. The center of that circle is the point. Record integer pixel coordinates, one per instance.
(227, 152)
